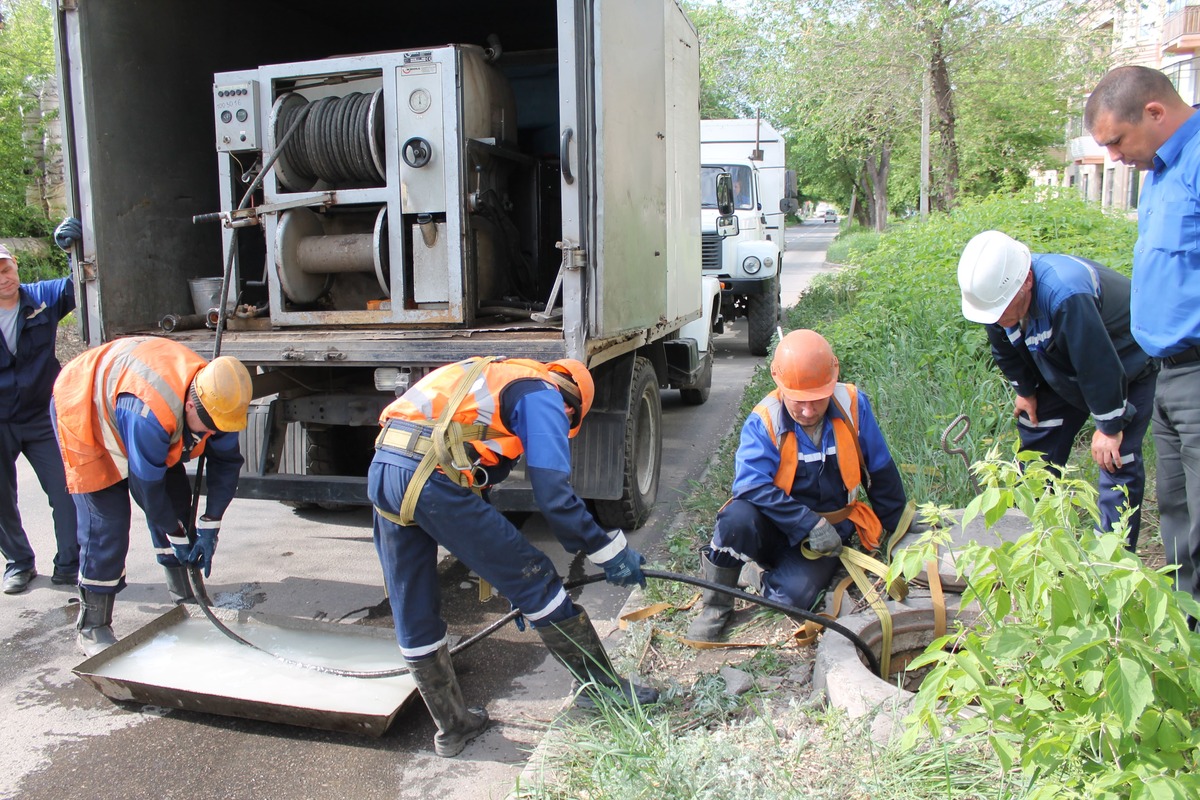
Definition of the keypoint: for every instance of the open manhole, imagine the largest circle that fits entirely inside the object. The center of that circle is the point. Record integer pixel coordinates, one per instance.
(845, 679)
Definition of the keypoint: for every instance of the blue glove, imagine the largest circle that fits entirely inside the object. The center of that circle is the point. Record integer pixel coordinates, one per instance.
(206, 543)
(181, 545)
(68, 232)
(622, 564)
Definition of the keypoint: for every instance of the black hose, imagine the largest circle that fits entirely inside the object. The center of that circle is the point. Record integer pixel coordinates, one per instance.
(872, 660)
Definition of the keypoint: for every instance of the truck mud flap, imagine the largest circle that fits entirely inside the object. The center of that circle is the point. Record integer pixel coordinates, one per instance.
(598, 452)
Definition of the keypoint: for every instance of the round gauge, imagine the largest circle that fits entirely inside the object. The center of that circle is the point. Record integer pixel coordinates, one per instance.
(242, 115)
(226, 117)
(419, 101)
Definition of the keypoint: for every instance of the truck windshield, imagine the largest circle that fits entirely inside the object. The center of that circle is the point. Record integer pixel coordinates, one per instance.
(743, 198)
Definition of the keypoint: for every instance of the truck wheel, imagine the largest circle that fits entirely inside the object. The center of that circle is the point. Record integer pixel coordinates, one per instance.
(698, 394)
(643, 454)
(764, 317)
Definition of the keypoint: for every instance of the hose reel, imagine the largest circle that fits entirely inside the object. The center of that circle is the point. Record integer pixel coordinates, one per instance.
(308, 256)
(340, 142)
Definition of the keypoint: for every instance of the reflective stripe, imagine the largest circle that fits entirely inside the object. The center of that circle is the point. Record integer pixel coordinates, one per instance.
(83, 579)
(179, 540)
(729, 551)
(1045, 423)
(829, 451)
(555, 603)
(610, 550)
(1116, 414)
(414, 653)
(1128, 459)
(1037, 339)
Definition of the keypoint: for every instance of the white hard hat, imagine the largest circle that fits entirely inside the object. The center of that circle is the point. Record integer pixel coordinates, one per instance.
(990, 273)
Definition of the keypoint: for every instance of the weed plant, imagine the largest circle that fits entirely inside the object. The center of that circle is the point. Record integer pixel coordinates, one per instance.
(1081, 671)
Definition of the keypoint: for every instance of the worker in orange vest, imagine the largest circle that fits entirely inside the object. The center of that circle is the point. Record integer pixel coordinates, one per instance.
(128, 415)
(460, 429)
(810, 453)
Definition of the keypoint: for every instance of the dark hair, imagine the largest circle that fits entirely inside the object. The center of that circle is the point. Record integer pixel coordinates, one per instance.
(1125, 91)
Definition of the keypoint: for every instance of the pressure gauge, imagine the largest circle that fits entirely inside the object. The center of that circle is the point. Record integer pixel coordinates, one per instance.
(419, 101)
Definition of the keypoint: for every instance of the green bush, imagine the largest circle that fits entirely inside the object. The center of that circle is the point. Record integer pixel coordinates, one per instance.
(852, 244)
(1081, 670)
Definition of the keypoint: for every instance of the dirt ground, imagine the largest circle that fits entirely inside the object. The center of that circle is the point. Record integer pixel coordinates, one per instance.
(70, 343)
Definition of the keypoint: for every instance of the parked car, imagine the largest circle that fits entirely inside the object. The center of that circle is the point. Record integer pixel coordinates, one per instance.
(830, 215)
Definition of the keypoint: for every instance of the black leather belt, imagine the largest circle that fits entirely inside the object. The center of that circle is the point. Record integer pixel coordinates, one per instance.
(1182, 357)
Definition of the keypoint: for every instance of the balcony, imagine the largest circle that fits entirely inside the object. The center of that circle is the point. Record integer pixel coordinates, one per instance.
(1083, 149)
(1181, 31)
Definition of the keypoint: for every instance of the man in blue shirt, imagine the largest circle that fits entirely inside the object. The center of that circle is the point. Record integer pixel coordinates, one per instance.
(1138, 116)
(1059, 330)
(29, 316)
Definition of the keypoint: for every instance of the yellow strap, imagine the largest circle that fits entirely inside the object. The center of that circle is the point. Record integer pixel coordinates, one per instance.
(440, 455)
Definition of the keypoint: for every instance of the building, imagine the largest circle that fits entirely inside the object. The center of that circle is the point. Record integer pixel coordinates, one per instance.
(1164, 34)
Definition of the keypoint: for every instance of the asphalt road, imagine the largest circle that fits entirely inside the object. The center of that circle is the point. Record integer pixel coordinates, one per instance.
(65, 739)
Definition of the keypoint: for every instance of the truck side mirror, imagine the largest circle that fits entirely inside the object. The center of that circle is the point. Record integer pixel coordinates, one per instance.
(727, 221)
(789, 205)
(724, 194)
(789, 184)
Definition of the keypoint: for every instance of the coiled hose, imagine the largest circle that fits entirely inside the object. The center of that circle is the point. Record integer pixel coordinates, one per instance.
(791, 611)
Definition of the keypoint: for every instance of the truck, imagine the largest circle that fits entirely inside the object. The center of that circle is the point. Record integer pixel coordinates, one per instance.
(748, 262)
(378, 189)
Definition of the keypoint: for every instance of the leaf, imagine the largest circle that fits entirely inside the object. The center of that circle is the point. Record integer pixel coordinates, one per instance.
(1129, 690)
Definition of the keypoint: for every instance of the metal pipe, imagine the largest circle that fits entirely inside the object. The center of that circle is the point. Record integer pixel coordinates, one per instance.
(181, 322)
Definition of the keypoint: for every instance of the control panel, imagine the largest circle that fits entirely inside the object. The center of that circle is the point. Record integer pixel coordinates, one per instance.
(235, 107)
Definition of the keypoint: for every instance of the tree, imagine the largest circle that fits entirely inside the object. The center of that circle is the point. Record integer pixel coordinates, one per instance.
(843, 79)
(26, 66)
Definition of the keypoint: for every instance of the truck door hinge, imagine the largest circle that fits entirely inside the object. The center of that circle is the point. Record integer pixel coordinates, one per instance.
(574, 256)
(87, 270)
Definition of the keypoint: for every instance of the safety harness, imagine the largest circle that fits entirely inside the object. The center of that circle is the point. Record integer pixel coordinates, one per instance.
(441, 443)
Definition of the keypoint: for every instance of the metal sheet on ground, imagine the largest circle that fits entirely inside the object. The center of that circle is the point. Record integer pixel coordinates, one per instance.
(181, 660)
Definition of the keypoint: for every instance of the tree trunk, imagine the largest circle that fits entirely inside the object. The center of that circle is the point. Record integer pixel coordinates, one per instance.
(876, 170)
(943, 95)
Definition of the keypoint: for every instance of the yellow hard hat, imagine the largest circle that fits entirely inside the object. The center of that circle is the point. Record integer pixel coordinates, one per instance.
(224, 390)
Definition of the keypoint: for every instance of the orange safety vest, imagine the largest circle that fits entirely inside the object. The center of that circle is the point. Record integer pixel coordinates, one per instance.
(156, 371)
(849, 455)
(427, 399)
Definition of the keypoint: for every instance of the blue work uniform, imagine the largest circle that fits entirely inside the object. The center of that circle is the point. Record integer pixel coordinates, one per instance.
(26, 380)
(1165, 307)
(163, 493)
(765, 525)
(1075, 353)
(476, 533)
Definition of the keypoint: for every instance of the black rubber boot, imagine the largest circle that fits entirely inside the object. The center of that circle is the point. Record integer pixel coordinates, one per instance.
(575, 643)
(717, 605)
(439, 688)
(95, 622)
(179, 586)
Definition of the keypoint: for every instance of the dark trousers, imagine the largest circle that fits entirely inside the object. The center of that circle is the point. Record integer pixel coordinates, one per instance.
(474, 532)
(743, 533)
(1058, 425)
(1177, 440)
(36, 440)
(104, 519)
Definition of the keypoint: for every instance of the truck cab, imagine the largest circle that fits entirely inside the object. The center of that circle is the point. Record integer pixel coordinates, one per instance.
(747, 262)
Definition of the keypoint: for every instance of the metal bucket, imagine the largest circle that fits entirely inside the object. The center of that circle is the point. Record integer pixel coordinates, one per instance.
(206, 294)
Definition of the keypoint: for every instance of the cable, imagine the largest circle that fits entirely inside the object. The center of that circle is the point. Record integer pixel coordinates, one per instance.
(872, 660)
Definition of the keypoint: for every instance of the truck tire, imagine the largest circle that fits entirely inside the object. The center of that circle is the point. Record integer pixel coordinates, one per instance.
(643, 454)
(763, 315)
(698, 395)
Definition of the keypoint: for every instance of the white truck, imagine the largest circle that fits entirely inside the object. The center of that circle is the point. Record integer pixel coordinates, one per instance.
(477, 178)
(748, 262)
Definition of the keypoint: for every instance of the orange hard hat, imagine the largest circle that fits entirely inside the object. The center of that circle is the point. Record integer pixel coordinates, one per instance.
(804, 366)
(579, 390)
